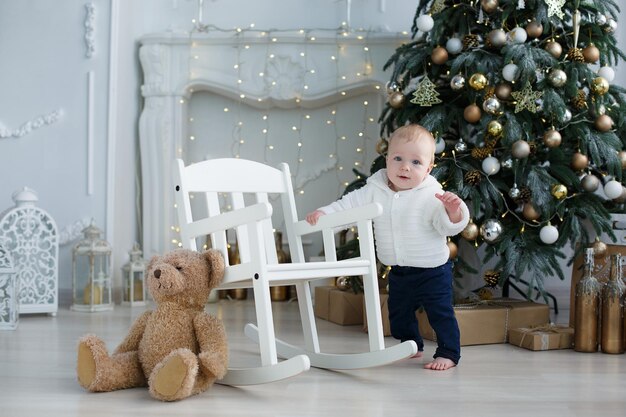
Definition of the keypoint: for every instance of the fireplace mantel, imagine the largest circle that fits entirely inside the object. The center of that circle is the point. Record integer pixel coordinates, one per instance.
(272, 69)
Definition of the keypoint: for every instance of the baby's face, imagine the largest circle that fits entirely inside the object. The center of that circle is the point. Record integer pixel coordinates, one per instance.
(408, 163)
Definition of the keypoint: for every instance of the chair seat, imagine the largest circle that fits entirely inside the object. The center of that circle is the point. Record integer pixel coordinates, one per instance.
(239, 276)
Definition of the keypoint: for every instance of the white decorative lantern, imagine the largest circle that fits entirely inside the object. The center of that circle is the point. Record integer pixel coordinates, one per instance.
(134, 273)
(91, 273)
(31, 236)
(9, 305)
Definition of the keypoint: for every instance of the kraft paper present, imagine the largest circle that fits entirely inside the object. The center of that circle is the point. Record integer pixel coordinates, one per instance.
(384, 312)
(488, 321)
(340, 307)
(546, 337)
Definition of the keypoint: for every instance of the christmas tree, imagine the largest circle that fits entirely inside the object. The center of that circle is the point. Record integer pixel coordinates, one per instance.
(519, 96)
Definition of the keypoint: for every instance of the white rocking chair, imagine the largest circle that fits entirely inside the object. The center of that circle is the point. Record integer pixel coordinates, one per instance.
(259, 269)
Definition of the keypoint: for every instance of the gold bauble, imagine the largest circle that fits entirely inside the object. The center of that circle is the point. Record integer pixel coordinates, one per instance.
(559, 191)
(552, 138)
(470, 232)
(503, 91)
(579, 161)
(489, 6)
(600, 249)
(472, 113)
(530, 213)
(494, 128)
(591, 54)
(604, 123)
(554, 48)
(381, 146)
(534, 29)
(453, 249)
(396, 100)
(622, 158)
(478, 81)
(600, 86)
(439, 55)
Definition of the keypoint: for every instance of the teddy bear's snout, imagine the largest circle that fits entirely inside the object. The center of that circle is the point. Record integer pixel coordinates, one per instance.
(157, 273)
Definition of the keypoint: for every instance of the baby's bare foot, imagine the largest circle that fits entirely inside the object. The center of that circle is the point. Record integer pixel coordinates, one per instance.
(440, 364)
(418, 355)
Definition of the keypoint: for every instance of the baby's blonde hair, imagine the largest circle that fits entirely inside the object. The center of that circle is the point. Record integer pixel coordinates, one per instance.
(414, 133)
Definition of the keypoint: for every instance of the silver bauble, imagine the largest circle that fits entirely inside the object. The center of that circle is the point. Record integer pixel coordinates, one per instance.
(567, 116)
(611, 25)
(457, 82)
(506, 163)
(492, 105)
(491, 230)
(460, 146)
(514, 192)
(590, 183)
(557, 77)
(600, 19)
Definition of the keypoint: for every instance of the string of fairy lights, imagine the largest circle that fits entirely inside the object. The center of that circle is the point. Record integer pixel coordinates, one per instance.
(301, 125)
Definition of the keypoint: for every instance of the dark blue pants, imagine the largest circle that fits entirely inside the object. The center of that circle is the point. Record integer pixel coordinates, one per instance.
(410, 288)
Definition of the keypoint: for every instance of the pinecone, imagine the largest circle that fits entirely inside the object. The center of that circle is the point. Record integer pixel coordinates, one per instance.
(491, 143)
(580, 101)
(490, 92)
(533, 147)
(473, 177)
(576, 55)
(491, 278)
(471, 41)
(524, 195)
(481, 153)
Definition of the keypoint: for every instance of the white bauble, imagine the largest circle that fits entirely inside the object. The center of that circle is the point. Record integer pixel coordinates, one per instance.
(440, 145)
(549, 234)
(510, 72)
(454, 46)
(607, 73)
(491, 165)
(613, 189)
(518, 35)
(425, 23)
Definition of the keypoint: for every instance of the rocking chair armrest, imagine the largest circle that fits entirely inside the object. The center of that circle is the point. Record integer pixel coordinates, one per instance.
(339, 219)
(230, 219)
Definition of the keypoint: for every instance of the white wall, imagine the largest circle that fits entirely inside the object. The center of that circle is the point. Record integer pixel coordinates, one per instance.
(45, 69)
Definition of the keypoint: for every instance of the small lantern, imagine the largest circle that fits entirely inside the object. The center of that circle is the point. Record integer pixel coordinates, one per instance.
(31, 236)
(9, 303)
(134, 273)
(91, 273)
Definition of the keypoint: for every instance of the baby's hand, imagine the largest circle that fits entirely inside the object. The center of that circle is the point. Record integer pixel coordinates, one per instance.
(452, 204)
(450, 201)
(312, 218)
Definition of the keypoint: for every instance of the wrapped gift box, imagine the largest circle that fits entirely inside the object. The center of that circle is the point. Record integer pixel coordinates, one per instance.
(488, 321)
(546, 337)
(340, 307)
(384, 312)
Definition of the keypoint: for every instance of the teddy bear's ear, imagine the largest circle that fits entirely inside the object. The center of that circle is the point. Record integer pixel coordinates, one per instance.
(216, 262)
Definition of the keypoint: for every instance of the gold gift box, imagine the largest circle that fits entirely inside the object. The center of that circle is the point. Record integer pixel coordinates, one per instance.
(336, 306)
(546, 337)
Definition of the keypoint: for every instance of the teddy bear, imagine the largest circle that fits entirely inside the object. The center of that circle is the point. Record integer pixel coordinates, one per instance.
(177, 350)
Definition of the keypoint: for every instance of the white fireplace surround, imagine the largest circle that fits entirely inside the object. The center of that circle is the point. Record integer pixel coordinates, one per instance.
(177, 64)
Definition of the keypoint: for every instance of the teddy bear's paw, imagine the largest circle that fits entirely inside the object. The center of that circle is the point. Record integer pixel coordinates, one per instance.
(91, 351)
(174, 377)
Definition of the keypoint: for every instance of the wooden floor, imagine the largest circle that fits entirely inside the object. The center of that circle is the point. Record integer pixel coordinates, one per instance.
(37, 376)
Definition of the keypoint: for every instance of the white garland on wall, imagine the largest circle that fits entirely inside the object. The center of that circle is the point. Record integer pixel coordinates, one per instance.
(90, 28)
(31, 125)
